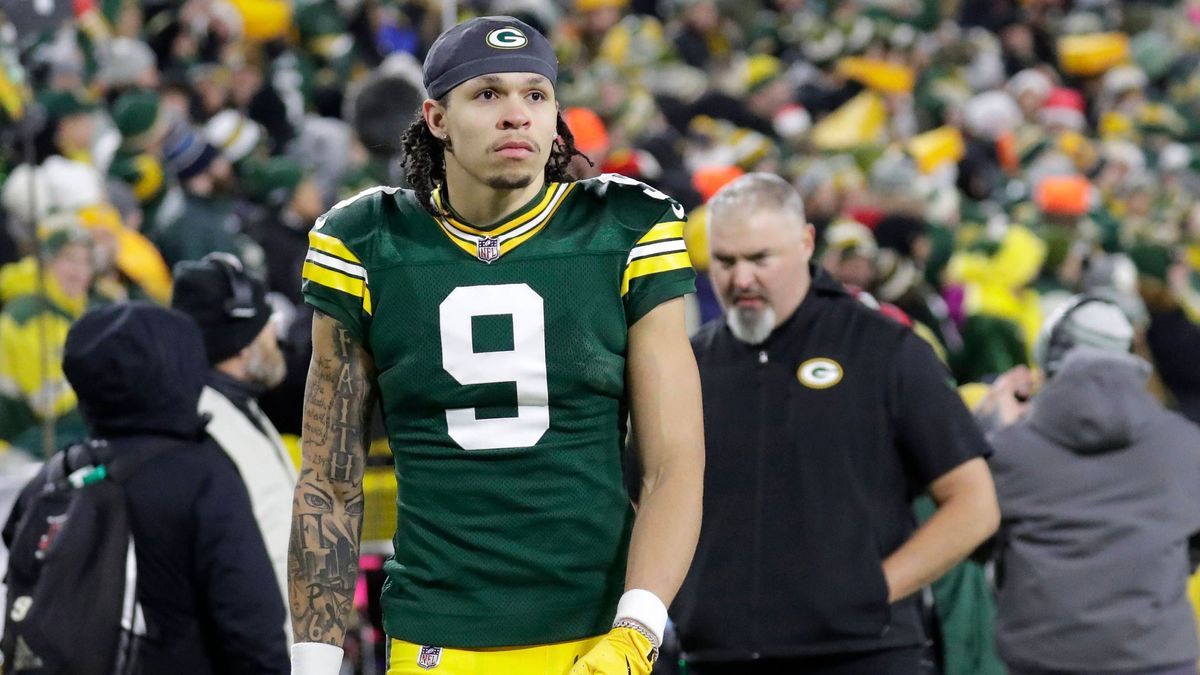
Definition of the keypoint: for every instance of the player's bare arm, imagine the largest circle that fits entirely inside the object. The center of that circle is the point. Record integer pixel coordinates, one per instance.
(664, 390)
(328, 504)
(664, 393)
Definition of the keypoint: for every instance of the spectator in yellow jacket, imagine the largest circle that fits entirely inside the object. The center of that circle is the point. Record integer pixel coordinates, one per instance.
(33, 331)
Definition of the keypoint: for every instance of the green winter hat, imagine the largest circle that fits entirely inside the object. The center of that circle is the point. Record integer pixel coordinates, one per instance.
(1151, 260)
(60, 104)
(59, 230)
(136, 114)
(1154, 53)
(272, 182)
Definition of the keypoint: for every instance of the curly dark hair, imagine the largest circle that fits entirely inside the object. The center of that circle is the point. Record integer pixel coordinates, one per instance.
(424, 159)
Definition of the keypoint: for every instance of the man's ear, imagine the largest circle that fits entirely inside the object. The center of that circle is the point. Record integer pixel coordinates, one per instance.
(810, 238)
(435, 117)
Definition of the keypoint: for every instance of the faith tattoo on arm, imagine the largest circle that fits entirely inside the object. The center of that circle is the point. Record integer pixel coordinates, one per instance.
(327, 506)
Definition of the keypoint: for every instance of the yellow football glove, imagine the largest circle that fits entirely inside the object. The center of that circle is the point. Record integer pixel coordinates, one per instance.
(624, 651)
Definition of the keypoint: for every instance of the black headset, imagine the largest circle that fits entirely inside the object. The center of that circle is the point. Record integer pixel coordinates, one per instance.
(1057, 342)
(239, 305)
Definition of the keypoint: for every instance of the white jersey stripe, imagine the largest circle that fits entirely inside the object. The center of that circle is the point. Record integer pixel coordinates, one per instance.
(647, 250)
(337, 264)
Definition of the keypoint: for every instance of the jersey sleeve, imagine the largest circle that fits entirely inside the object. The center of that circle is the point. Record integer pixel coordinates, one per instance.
(335, 277)
(658, 267)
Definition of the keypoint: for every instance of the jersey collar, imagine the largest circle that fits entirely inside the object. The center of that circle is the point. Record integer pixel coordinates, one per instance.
(488, 245)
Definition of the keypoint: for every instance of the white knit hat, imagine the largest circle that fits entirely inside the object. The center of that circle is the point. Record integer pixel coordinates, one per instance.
(233, 134)
(1122, 79)
(1030, 80)
(123, 60)
(991, 114)
(1083, 321)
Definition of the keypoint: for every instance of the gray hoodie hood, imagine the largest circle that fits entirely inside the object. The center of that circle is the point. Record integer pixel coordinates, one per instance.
(1097, 402)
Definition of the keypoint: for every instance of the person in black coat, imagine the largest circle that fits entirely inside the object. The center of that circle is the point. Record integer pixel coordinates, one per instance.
(1173, 340)
(205, 584)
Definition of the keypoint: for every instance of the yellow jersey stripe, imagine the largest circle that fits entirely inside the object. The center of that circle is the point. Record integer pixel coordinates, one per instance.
(653, 265)
(515, 242)
(338, 282)
(467, 246)
(331, 246)
(671, 230)
(503, 227)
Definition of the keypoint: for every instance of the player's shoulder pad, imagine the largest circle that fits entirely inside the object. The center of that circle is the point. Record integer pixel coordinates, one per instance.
(631, 202)
(356, 220)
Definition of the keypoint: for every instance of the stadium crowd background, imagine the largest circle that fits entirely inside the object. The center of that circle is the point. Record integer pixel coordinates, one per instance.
(970, 163)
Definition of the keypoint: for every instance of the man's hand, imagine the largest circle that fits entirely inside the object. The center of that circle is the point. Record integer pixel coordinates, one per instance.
(1007, 400)
(624, 651)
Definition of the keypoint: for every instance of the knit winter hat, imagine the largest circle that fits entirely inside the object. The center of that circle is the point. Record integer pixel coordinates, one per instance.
(60, 104)
(1064, 107)
(1084, 321)
(850, 237)
(233, 134)
(229, 305)
(186, 152)
(272, 182)
(60, 230)
(139, 118)
(124, 60)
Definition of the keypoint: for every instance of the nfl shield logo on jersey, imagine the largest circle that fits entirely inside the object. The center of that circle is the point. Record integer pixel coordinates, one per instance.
(488, 249)
(429, 657)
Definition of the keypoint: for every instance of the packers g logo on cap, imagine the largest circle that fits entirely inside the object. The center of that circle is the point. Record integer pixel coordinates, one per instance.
(507, 38)
(819, 373)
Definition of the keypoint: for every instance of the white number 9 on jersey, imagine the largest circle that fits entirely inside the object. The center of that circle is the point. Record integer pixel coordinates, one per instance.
(524, 364)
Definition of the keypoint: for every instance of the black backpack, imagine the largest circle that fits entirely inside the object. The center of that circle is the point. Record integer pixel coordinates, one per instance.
(72, 572)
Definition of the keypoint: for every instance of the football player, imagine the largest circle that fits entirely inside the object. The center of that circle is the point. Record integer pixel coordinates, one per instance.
(507, 320)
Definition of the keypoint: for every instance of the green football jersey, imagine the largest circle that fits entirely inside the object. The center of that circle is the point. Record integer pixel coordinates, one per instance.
(501, 373)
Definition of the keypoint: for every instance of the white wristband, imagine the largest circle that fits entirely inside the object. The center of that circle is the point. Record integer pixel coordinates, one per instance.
(316, 658)
(645, 608)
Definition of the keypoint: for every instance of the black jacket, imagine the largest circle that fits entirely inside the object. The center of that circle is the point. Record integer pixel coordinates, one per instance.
(206, 586)
(1174, 340)
(816, 441)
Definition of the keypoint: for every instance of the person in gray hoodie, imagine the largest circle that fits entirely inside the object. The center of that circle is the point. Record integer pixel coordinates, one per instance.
(1099, 489)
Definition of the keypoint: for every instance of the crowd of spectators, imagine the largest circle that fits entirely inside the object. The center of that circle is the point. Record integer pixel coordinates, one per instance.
(970, 163)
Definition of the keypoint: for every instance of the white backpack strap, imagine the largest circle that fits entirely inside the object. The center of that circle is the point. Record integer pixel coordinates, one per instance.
(133, 621)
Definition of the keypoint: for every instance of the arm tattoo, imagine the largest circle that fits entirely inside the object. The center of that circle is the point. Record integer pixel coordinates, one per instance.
(327, 506)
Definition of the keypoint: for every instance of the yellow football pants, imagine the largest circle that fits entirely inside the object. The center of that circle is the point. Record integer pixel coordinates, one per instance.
(557, 658)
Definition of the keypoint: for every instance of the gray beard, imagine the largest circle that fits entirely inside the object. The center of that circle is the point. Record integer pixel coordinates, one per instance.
(264, 372)
(751, 326)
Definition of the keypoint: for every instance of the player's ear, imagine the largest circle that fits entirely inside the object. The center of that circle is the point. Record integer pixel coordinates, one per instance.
(435, 117)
